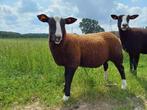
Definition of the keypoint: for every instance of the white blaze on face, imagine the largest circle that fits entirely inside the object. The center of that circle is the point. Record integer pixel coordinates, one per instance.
(58, 32)
(124, 22)
(124, 19)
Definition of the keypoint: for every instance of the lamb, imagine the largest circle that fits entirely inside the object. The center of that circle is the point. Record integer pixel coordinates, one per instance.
(89, 50)
(134, 40)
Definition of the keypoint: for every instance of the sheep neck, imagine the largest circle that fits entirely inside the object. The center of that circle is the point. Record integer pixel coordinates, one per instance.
(124, 37)
(124, 34)
(57, 49)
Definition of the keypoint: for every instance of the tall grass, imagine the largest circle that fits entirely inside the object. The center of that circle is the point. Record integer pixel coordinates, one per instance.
(28, 73)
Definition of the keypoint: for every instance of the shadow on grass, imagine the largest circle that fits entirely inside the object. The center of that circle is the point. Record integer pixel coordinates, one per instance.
(104, 98)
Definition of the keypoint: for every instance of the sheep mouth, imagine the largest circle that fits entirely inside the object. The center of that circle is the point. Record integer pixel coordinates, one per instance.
(58, 40)
(124, 28)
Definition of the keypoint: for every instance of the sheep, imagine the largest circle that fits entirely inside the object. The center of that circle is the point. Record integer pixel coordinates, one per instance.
(134, 40)
(89, 50)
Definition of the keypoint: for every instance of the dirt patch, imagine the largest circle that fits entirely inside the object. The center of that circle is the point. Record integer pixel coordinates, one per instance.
(32, 106)
(132, 103)
(90, 106)
(79, 106)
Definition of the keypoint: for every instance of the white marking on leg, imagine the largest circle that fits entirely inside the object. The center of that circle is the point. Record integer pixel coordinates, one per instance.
(65, 98)
(124, 84)
(133, 67)
(105, 75)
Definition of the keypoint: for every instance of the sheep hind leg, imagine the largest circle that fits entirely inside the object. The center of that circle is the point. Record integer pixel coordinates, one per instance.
(131, 63)
(136, 60)
(69, 73)
(120, 68)
(105, 65)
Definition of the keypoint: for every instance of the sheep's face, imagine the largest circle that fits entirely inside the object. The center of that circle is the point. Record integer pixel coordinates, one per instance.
(56, 26)
(123, 21)
(56, 29)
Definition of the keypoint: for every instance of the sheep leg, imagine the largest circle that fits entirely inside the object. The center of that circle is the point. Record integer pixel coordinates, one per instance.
(131, 62)
(69, 73)
(120, 68)
(105, 65)
(136, 59)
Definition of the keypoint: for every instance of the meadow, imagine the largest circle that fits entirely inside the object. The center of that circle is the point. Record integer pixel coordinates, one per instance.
(28, 74)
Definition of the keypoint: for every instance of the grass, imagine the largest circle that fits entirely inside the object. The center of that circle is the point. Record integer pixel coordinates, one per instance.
(28, 73)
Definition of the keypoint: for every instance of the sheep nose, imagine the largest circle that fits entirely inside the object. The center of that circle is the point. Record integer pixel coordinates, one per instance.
(58, 36)
(125, 25)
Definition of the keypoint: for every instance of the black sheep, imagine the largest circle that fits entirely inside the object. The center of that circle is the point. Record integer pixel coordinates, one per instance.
(134, 40)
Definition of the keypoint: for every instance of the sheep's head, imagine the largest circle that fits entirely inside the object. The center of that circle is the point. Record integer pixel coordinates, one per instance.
(56, 26)
(123, 20)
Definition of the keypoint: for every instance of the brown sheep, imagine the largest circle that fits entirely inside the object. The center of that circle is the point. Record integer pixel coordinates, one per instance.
(89, 50)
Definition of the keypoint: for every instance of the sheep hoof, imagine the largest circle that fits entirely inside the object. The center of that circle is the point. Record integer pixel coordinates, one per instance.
(123, 87)
(65, 98)
(134, 72)
(124, 84)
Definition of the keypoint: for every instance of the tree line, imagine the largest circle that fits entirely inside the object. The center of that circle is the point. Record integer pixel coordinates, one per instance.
(5, 34)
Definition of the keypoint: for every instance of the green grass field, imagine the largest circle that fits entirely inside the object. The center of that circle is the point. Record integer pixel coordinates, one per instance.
(28, 74)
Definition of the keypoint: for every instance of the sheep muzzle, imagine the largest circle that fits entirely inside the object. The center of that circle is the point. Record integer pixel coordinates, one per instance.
(56, 39)
(124, 27)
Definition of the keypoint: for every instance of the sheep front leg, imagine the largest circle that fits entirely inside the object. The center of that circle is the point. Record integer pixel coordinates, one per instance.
(69, 73)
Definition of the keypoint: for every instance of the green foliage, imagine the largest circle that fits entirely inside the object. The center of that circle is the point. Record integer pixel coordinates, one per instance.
(28, 73)
(90, 26)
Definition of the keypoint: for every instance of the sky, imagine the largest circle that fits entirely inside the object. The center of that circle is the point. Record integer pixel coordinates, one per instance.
(21, 15)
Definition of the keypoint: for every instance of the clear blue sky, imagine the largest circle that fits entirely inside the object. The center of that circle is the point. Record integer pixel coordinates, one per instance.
(20, 15)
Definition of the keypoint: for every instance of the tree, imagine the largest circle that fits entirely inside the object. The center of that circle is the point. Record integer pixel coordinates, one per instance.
(90, 26)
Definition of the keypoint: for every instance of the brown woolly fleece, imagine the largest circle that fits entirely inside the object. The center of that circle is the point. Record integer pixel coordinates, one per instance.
(89, 50)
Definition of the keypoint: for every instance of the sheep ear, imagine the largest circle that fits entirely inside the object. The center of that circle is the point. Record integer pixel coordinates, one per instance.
(70, 20)
(115, 17)
(133, 16)
(43, 17)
